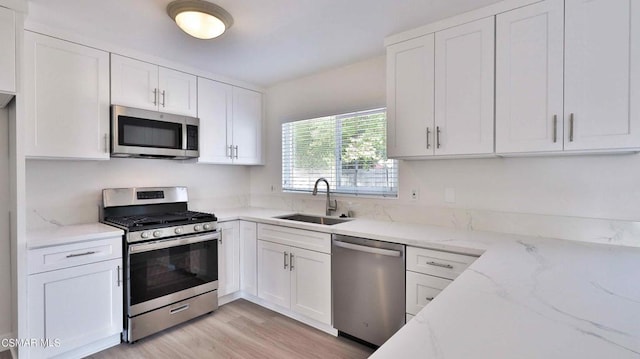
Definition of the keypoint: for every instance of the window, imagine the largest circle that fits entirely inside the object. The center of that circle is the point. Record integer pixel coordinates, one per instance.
(349, 150)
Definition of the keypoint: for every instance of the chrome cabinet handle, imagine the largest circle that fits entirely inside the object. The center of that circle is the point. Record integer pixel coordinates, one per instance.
(436, 264)
(290, 261)
(81, 254)
(555, 128)
(220, 239)
(236, 147)
(119, 280)
(437, 136)
(163, 98)
(229, 151)
(285, 260)
(571, 128)
(428, 134)
(429, 299)
(155, 97)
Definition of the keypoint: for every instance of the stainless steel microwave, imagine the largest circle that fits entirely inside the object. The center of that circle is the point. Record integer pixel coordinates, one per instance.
(151, 134)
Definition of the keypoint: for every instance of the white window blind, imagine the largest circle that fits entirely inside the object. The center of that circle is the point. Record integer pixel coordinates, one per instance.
(349, 150)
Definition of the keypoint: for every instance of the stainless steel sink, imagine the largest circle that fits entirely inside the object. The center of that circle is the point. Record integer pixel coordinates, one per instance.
(328, 221)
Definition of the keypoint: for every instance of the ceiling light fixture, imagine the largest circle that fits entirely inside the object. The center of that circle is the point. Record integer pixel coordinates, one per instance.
(200, 18)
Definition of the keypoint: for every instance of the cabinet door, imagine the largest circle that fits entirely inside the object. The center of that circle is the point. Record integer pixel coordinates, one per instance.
(422, 289)
(67, 99)
(410, 98)
(602, 74)
(134, 83)
(529, 78)
(8, 53)
(229, 258)
(177, 92)
(273, 273)
(77, 305)
(311, 284)
(215, 103)
(464, 95)
(248, 257)
(247, 127)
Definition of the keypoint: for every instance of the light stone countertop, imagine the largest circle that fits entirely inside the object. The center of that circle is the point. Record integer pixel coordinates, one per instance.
(55, 236)
(525, 297)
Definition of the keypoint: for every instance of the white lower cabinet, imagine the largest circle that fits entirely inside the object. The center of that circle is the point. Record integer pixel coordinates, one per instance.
(248, 257)
(228, 258)
(295, 278)
(429, 272)
(74, 310)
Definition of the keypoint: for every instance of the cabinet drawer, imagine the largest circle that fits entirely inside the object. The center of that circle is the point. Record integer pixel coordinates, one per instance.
(70, 255)
(437, 263)
(421, 289)
(315, 241)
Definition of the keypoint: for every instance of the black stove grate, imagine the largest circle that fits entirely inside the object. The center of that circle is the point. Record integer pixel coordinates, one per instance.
(138, 221)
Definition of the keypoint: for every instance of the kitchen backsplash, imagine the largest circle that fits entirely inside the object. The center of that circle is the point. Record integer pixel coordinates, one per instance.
(592, 230)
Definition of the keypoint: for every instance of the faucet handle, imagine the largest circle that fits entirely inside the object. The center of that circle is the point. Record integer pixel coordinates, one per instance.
(333, 204)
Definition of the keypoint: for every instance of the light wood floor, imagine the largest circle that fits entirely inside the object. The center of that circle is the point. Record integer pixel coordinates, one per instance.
(239, 329)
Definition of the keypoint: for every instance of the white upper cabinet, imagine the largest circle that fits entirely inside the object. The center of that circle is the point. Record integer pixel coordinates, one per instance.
(177, 92)
(602, 74)
(410, 97)
(464, 88)
(529, 78)
(215, 106)
(147, 86)
(247, 126)
(67, 99)
(230, 124)
(134, 83)
(7, 55)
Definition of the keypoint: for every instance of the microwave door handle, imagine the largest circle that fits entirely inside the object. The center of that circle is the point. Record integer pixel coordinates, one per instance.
(184, 137)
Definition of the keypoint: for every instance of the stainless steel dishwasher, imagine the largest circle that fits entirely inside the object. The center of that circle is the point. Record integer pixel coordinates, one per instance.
(368, 279)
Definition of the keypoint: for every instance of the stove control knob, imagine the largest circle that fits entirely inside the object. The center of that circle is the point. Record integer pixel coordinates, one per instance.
(157, 233)
(144, 234)
(206, 226)
(178, 230)
(197, 227)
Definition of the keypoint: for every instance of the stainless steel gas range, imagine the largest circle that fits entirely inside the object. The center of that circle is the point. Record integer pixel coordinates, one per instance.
(171, 257)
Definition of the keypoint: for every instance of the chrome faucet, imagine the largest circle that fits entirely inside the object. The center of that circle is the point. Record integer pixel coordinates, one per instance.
(331, 205)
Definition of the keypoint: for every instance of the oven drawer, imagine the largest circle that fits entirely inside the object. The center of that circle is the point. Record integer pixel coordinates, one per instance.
(162, 318)
(71, 255)
(440, 264)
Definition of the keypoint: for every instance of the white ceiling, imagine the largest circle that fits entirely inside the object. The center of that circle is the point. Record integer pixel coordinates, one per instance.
(270, 41)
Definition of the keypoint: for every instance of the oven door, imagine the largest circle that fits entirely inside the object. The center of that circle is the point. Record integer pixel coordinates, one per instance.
(164, 272)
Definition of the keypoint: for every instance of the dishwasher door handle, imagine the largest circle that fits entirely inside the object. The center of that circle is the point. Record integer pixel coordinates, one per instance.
(357, 247)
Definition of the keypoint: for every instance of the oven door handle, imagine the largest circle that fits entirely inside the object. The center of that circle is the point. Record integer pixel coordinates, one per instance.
(173, 242)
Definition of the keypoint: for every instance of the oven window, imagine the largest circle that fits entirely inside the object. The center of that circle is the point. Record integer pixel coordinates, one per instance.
(164, 271)
(149, 133)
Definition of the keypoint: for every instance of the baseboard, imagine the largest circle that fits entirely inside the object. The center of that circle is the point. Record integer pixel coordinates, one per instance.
(3, 338)
(97, 346)
(229, 298)
(291, 314)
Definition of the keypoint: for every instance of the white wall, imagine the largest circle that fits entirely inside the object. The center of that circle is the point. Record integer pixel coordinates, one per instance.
(5, 244)
(605, 187)
(69, 192)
